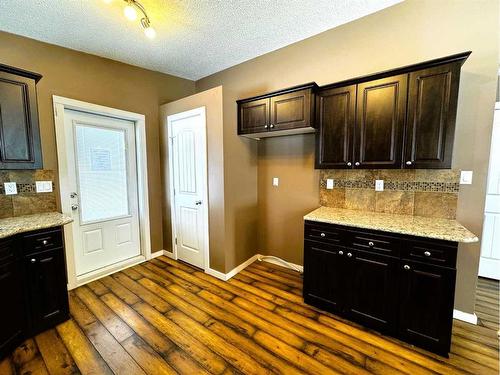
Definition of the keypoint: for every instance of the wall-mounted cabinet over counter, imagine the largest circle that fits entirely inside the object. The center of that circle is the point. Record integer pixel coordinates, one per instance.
(401, 118)
(20, 146)
(284, 112)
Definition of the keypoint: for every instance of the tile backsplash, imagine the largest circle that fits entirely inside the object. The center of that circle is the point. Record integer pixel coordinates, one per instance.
(27, 200)
(420, 192)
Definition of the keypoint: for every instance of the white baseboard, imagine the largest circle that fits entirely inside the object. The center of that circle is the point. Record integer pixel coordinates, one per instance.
(157, 253)
(274, 261)
(234, 271)
(465, 317)
(169, 254)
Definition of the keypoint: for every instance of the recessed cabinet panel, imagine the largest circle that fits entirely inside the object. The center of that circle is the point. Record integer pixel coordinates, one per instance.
(335, 116)
(292, 110)
(380, 120)
(432, 105)
(254, 116)
(19, 132)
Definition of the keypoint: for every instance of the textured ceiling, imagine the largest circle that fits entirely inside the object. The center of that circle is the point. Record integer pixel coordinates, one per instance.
(195, 38)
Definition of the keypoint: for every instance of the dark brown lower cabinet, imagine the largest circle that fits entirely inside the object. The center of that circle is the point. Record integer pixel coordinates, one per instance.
(397, 284)
(33, 286)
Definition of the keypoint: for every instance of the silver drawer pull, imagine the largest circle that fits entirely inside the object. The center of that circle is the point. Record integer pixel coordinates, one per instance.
(45, 242)
(323, 235)
(371, 244)
(349, 255)
(406, 267)
(341, 252)
(33, 260)
(427, 253)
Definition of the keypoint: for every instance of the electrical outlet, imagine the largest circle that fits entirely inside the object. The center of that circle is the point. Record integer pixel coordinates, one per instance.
(43, 186)
(329, 183)
(466, 177)
(276, 181)
(379, 185)
(10, 188)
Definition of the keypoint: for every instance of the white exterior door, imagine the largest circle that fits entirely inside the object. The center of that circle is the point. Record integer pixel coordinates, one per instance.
(188, 180)
(102, 177)
(489, 264)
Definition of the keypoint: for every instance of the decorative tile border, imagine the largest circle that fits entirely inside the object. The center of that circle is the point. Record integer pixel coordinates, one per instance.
(422, 186)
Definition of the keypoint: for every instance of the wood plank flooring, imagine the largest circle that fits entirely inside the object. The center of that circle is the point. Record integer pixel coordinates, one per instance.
(164, 317)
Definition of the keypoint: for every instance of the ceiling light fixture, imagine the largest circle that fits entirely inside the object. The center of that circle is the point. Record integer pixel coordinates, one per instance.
(130, 11)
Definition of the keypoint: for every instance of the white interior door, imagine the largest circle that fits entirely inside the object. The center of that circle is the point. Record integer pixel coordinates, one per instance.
(489, 264)
(188, 175)
(102, 175)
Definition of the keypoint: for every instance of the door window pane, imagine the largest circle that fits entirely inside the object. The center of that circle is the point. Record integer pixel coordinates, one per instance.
(101, 161)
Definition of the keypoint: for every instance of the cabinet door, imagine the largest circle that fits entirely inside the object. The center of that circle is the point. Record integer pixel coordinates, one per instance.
(291, 110)
(380, 119)
(324, 284)
(19, 132)
(426, 305)
(47, 289)
(373, 293)
(12, 313)
(335, 116)
(253, 116)
(432, 109)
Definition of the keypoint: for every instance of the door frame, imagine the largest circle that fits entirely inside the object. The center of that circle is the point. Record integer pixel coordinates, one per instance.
(197, 111)
(60, 104)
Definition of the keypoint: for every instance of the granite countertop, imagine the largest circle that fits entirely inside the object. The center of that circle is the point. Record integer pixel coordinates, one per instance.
(442, 229)
(26, 223)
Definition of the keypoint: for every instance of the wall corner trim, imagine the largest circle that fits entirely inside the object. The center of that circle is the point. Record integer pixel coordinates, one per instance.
(465, 317)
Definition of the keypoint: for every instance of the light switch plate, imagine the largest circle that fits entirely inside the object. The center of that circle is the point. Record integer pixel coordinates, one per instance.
(43, 186)
(466, 177)
(329, 183)
(379, 185)
(10, 188)
(276, 181)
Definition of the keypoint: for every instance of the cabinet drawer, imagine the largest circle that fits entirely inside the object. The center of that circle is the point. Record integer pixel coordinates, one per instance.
(431, 253)
(376, 243)
(6, 250)
(325, 233)
(42, 240)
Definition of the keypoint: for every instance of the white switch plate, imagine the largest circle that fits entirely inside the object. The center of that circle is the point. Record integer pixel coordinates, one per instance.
(466, 177)
(329, 183)
(10, 188)
(379, 185)
(276, 181)
(43, 186)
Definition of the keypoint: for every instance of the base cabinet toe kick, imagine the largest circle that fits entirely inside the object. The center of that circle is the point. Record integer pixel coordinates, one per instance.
(400, 285)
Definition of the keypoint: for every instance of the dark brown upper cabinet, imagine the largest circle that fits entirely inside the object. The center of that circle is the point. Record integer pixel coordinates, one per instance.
(20, 146)
(284, 112)
(432, 109)
(336, 110)
(401, 118)
(380, 119)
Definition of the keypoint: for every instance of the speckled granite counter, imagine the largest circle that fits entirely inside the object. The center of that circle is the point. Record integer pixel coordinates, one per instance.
(442, 229)
(19, 224)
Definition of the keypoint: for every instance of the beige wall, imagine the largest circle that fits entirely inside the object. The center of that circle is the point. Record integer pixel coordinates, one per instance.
(415, 30)
(97, 80)
(212, 101)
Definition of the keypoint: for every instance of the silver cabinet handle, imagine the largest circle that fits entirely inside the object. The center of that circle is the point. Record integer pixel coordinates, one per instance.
(349, 255)
(74, 207)
(265, 126)
(356, 164)
(427, 253)
(341, 252)
(323, 235)
(406, 267)
(408, 162)
(33, 260)
(349, 163)
(197, 203)
(45, 242)
(371, 244)
(271, 126)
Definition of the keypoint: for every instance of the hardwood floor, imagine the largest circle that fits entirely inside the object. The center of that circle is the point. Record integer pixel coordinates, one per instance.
(164, 317)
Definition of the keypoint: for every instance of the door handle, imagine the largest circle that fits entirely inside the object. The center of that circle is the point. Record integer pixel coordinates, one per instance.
(74, 207)
(198, 203)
